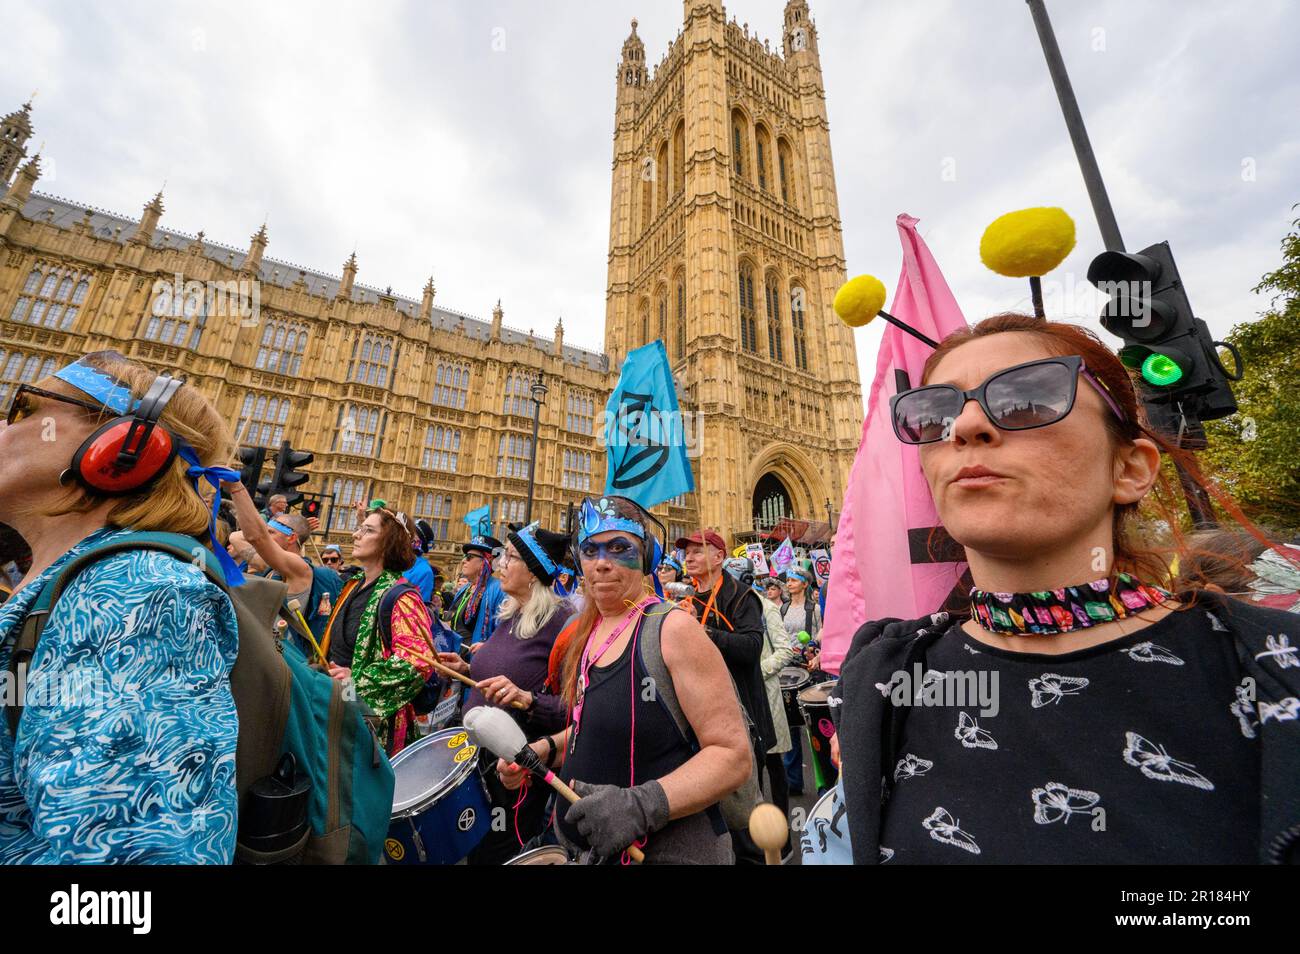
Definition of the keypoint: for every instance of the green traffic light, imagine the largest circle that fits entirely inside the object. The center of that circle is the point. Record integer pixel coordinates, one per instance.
(1161, 370)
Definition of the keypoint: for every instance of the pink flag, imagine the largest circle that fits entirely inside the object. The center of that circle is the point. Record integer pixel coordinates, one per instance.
(888, 511)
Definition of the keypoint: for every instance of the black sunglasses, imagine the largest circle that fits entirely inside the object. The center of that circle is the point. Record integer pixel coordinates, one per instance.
(1019, 398)
(21, 408)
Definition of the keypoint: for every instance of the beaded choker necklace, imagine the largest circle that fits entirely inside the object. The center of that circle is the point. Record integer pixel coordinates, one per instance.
(1059, 611)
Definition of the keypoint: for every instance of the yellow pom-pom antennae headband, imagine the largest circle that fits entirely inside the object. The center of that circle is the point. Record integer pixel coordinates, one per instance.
(861, 299)
(1028, 243)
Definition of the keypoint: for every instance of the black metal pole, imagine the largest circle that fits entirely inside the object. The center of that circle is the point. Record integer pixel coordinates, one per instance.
(532, 461)
(1078, 132)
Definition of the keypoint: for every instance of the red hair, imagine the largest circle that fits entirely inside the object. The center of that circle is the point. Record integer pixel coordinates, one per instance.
(1149, 564)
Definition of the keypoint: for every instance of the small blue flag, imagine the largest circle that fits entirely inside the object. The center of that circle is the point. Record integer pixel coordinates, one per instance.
(644, 437)
(480, 520)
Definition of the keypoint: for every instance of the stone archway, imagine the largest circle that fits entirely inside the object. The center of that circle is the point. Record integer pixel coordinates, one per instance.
(795, 473)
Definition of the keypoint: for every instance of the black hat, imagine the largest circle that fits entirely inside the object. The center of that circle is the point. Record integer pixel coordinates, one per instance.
(543, 551)
(482, 545)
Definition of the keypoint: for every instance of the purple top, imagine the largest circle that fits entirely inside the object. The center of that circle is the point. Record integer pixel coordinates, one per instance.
(525, 663)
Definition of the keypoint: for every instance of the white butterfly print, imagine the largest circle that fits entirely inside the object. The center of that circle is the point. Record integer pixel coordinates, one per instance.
(942, 828)
(886, 854)
(1288, 710)
(1150, 652)
(1050, 687)
(931, 677)
(1215, 623)
(1281, 651)
(1055, 801)
(973, 652)
(1158, 764)
(1244, 709)
(971, 735)
(910, 766)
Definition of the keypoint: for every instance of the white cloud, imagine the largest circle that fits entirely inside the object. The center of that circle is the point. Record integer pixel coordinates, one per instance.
(475, 140)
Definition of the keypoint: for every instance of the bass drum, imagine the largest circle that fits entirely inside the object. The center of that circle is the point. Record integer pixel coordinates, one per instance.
(547, 855)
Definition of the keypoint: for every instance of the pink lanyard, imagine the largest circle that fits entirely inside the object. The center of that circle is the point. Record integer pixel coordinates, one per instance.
(589, 660)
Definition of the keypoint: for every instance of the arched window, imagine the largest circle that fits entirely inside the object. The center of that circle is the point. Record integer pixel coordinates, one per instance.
(662, 306)
(518, 397)
(358, 430)
(785, 162)
(48, 298)
(775, 333)
(739, 144)
(347, 494)
(679, 159)
(797, 324)
(452, 387)
(262, 420)
(18, 368)
(662, 172)
(282, 348)
(681, 318)
(748, 324)
(645, 322)
(375, 364)
(762, 156)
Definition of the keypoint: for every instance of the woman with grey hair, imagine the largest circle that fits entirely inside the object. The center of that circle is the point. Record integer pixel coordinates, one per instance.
(511, 668)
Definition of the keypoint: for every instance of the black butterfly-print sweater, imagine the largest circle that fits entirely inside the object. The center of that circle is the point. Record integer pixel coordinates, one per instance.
(870, 726)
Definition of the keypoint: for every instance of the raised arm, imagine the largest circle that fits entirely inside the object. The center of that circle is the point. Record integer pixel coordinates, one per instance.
(292, 568)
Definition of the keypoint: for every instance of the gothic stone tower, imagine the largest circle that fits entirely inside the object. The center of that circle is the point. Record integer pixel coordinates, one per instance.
(725, 243)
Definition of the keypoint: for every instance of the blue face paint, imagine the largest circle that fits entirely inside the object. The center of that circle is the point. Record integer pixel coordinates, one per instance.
(621, 551)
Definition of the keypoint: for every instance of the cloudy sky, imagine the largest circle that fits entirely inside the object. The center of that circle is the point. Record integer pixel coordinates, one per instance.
(473, 141)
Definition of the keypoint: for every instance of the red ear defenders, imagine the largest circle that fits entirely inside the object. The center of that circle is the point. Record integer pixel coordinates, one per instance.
(130, 452)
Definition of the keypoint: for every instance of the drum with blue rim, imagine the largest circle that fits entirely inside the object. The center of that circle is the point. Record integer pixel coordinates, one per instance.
(440, 808)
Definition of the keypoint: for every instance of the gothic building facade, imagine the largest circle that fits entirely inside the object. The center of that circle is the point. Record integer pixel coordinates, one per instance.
(725, 242)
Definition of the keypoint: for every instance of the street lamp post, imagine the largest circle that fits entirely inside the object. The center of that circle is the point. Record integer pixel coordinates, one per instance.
(539, 395)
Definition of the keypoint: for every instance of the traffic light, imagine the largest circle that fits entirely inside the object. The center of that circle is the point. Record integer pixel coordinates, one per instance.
(1183, 381)
(287, 475)
(252, 460)
(312, 508)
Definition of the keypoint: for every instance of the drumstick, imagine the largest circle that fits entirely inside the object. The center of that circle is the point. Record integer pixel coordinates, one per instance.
(769, 830)
(448, 671)
(497, 732)
(295, 608)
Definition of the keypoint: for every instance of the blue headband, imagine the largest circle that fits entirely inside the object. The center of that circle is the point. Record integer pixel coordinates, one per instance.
(98, 385)
(600, 517)
(277, 525)
(526, 535)
(670, 561)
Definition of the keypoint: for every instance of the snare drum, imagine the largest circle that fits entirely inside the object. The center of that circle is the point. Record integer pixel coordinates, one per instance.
(825, 836)
(546, 855)
(814, 701)
(440, 808)
(793, 681)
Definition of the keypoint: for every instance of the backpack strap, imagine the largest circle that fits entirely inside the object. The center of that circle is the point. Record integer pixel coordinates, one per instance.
(178, 545)
(650, 644)
(384, 612)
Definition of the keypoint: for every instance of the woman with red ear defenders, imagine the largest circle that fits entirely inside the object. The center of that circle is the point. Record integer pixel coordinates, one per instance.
(101, 449)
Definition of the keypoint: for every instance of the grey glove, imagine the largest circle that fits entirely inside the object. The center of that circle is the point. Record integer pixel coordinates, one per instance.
(611, 818)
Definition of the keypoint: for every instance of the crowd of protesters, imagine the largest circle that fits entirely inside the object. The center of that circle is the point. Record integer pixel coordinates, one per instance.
(1157, 689)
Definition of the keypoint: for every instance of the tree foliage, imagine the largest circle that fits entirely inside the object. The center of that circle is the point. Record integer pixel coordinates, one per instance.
(1255, 454)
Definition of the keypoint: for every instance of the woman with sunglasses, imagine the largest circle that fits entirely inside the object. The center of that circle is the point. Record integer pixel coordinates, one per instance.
(141, 767)
(640, 779)
(382, 641)
(1126, 724)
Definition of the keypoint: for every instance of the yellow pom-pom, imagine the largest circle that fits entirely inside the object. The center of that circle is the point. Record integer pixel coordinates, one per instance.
(859, 300)
(1027, 243)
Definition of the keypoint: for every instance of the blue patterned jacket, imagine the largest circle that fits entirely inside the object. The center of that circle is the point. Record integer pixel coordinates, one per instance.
(126, 749)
